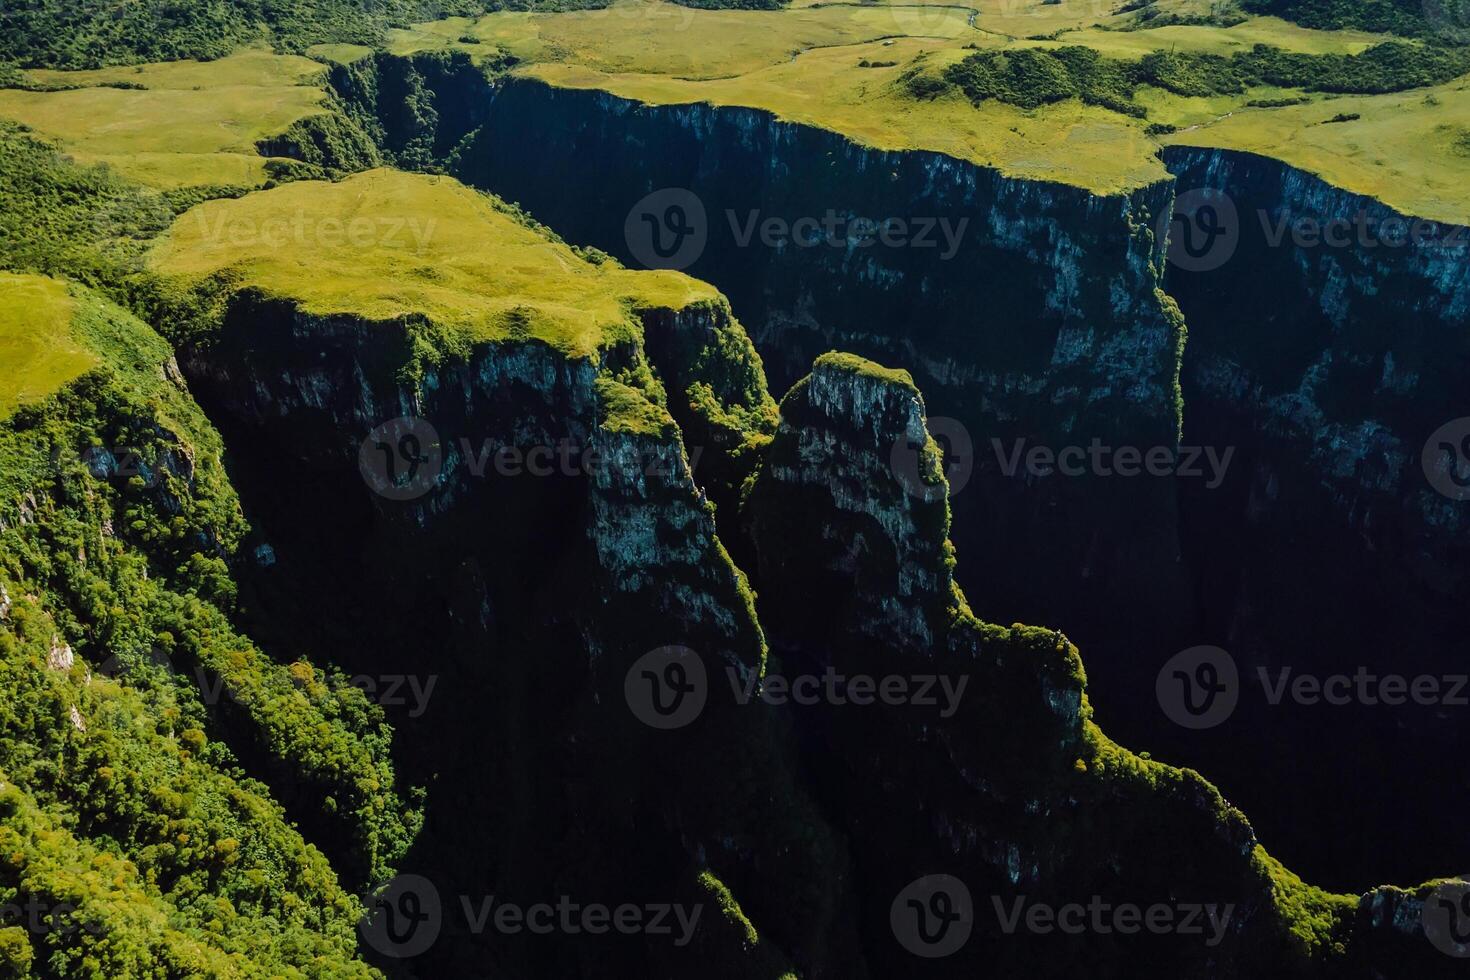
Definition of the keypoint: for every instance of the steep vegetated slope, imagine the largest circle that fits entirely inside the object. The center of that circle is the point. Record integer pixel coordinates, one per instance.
(146, 741)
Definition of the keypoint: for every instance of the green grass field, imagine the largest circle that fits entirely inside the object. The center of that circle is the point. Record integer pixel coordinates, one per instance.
(37, 345)
(193, 123)
(806, 65)
(1068, 143)
(659, 38)
(834, 66)
(1410, 150)
(1222, 40)
(386, 244)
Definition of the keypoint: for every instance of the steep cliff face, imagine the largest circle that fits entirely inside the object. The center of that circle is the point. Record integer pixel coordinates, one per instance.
(1328, 347)
(1007, 785)
(532, 599)
(1030, 316)
(416, 108)
(1026, 310)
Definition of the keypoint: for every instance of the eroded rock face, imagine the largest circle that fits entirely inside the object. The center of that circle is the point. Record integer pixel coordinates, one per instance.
(1004, 782)
(1027, 312)
(1327, 347)
(531, 598)
(853, 449)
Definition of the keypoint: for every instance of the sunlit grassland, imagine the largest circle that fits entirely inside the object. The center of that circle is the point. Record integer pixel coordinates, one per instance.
(192, 123)
(387, 245)
(836, 66)
(339, 54)
(38, 350)
(1410, 150)
(1222, 40)
(666, 39)
(1068, 143)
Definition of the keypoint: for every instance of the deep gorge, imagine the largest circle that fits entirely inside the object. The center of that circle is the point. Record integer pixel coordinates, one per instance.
(1048, 313)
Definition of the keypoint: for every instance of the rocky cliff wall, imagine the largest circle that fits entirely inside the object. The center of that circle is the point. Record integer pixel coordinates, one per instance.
(1026, 310)
(533, 599)
(1329, 342)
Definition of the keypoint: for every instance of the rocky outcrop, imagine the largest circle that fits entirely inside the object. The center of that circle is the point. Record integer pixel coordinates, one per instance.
(1007, 785)
(852, 447)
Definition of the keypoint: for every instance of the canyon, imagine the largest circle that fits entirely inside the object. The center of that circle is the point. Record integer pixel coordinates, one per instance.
(1061, 323)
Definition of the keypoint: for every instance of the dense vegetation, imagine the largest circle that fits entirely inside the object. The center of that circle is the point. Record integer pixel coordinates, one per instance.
(57, 217)
(734, 4)
(145, 742)
(132, 747)
(66, 34)
(1033, 77)
(1405, 17)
